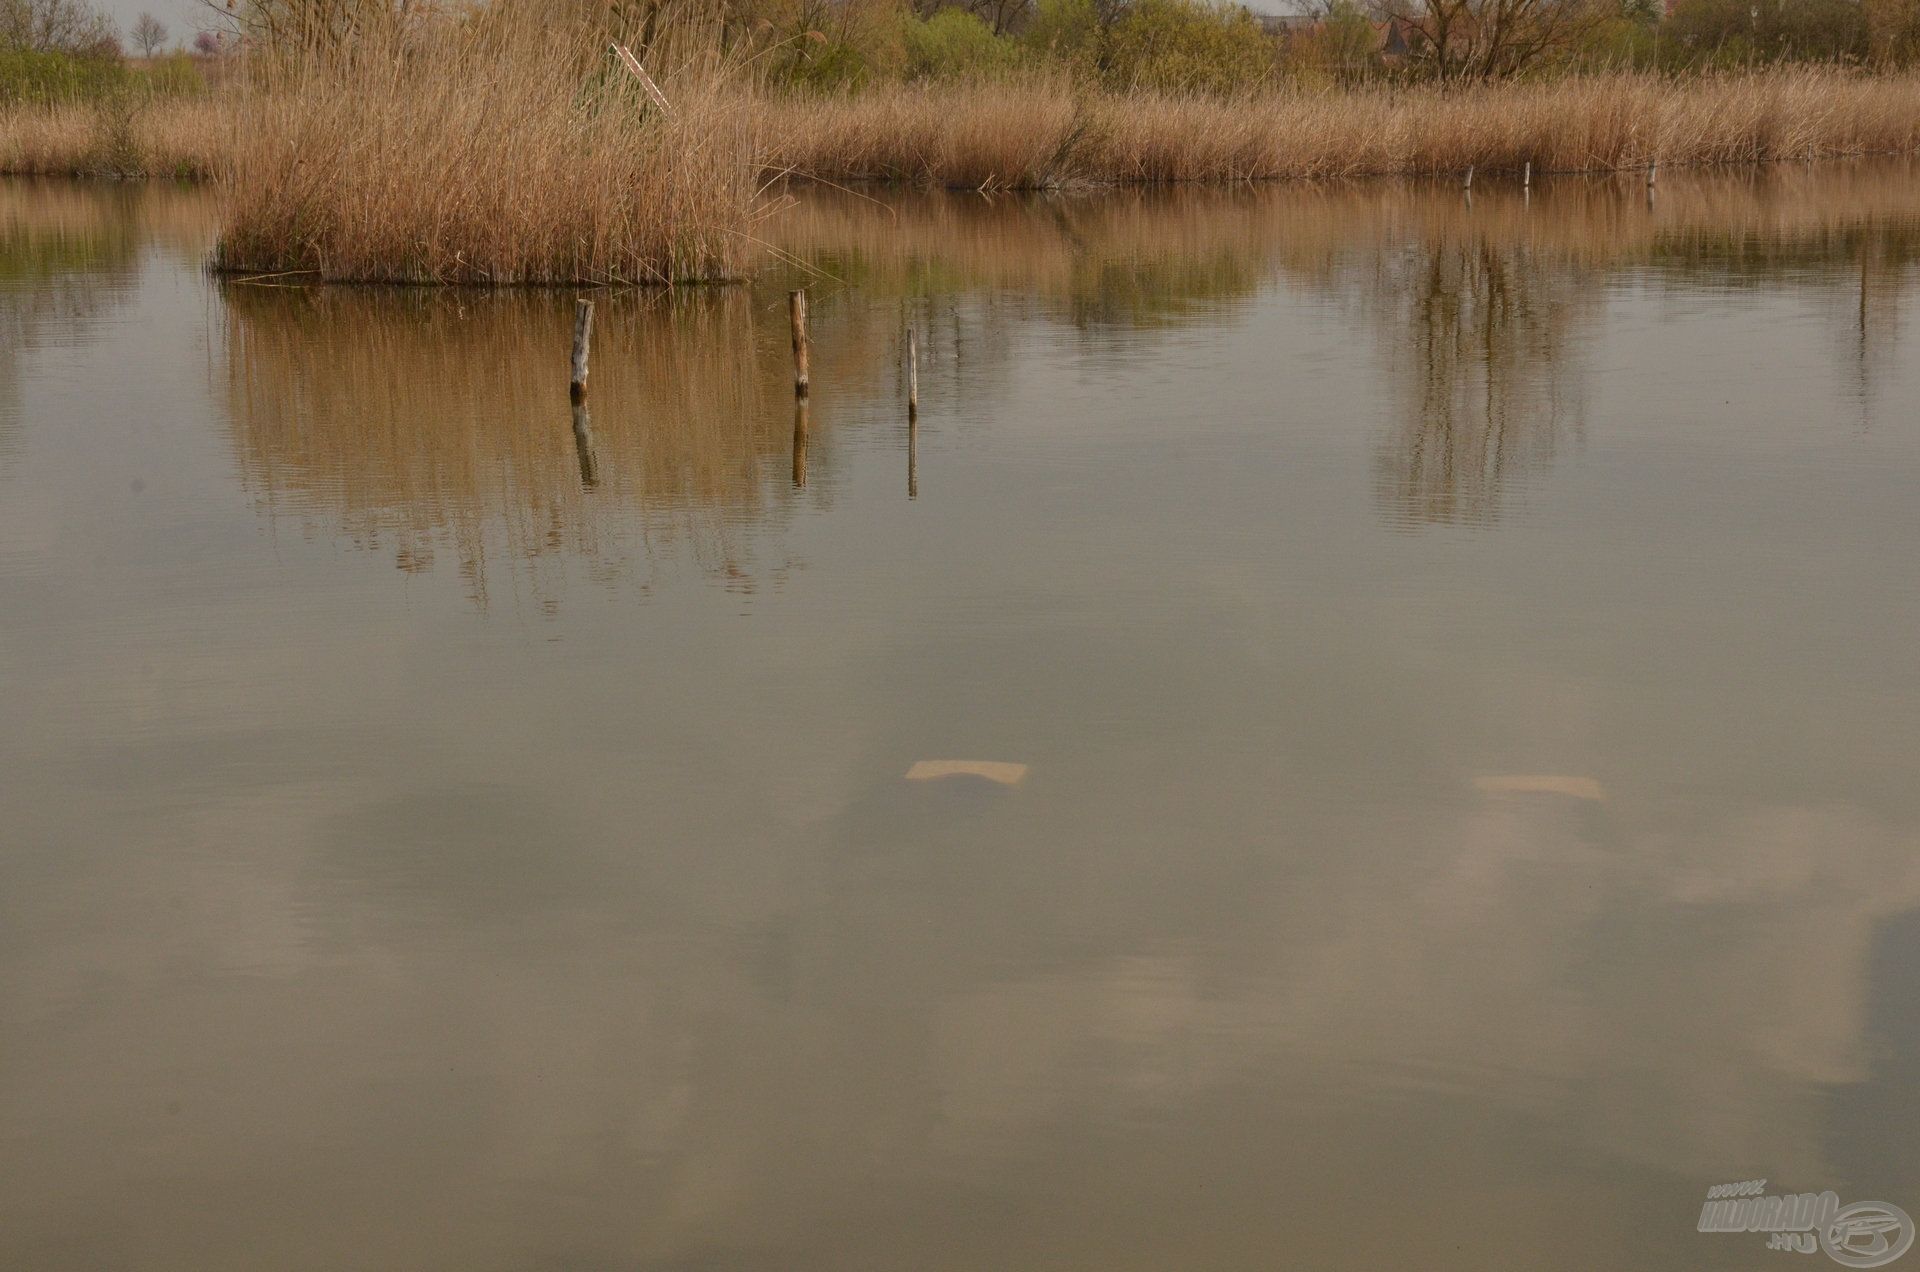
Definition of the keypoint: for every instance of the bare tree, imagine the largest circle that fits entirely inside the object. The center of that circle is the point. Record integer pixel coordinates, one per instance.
(1000, 15)
(303, 27)
(1486, 39)
(56, 26)
(149, 33)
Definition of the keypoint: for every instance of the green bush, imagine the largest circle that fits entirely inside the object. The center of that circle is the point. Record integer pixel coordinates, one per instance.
(1722, 32)
(176, 75)
(1187, 46)
(30, 76)
(954, 44)
(1341, 48)
(1064, 31)
(846, 46)
(829, 64)
(1623, 42)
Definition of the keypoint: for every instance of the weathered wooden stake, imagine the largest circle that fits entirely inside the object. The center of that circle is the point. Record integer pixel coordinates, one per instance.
(913, 374)
(1526, 176)
(582, 336)
(1653, 171)
(800, 442)
(1468, 183)
(797, 311)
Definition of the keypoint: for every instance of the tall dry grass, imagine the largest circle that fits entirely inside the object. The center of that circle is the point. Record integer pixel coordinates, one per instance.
(1045, 132)
(498, 148)
(418, 127)
(130, 136)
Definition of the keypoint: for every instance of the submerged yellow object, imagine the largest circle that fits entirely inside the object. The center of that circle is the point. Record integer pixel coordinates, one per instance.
(1540, 784)
(993, 770)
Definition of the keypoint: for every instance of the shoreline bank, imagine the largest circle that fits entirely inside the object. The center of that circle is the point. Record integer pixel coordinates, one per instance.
(333, 202)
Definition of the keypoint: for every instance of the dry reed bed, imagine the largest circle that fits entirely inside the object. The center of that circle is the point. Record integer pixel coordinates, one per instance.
(492, 144)
(503, 153)
(487, 166)
(1043, 133)
(181, 137)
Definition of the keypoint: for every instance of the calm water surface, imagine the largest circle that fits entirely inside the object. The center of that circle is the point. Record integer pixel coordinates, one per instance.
(433, 839)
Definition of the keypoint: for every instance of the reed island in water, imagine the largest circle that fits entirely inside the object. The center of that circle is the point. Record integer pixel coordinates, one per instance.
(512, 142)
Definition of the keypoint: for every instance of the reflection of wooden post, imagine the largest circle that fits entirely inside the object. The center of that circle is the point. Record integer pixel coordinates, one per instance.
(583, 444)
(800, 443)
(913, 374)
(797, 312)
(582, 334)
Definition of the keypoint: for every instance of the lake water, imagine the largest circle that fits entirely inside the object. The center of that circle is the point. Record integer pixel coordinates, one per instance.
(1462, 656)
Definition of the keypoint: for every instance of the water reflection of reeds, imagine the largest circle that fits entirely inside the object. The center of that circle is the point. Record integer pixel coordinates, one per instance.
(1178, 249)
(1480, 310)
(426, 424)
(433, 425)
(68, 253)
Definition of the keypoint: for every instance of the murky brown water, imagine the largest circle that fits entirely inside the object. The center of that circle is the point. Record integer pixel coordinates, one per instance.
(1463, 656)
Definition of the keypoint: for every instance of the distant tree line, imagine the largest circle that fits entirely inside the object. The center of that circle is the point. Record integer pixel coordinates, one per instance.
(63, 50)
(1210, 46)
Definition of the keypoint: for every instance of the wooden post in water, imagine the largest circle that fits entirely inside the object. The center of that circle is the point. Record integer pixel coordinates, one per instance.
(797, 312)
(1467, 185)
(582, 336)
(913, 374)
(1526, 176)
(1653, 171)
(800, 442)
